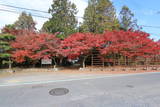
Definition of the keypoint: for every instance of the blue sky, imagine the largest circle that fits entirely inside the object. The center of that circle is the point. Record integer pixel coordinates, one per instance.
(145, 11)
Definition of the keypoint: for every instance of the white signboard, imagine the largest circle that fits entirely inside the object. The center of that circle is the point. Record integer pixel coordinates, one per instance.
(46, 61)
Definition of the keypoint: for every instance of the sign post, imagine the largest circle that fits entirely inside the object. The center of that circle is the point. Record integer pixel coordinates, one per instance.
(46, 61)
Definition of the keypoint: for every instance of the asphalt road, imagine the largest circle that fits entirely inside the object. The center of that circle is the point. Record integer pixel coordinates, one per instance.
(140, 90)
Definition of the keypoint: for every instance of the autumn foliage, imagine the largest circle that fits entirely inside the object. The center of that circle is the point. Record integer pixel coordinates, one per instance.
(131, 44)
(35, 46)
(80, 44)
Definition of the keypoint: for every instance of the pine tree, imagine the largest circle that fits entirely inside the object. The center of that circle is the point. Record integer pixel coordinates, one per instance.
(127, 20)
(5, 48)
(25, 21)
(89, 24)
(99, 16)
(63, 18)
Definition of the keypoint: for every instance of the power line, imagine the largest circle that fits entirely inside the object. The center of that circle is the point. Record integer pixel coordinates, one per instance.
(31, 9)
(24, 8)
(11, 11)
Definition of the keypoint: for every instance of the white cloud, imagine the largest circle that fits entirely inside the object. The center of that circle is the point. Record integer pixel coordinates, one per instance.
(81, 5)
(9, 18)
(6, 17)
(39, 22)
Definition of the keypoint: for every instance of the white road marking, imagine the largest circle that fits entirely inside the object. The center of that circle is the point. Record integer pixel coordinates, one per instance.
(69, 80)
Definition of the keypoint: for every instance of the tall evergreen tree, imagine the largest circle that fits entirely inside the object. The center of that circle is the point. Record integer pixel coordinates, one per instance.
(25, 21)
(100, 15)
(5, 49)
(127, 20)
(63, 18)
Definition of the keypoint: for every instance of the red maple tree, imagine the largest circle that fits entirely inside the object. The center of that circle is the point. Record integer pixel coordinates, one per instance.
(80, 45)
(132, 44)
(35, 46)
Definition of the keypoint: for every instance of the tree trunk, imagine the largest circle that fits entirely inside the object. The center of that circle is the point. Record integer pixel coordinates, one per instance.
(119, 60)
(60, 62)
(135, 65)
(114, 59)
(84, 61)
(10, 63)
(55, 64)
(147, 64)
(34, 64)
(125, 59)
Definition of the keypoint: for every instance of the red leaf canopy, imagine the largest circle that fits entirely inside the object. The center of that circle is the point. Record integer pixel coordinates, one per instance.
(35, 46)
(80, 44)
(129, 43)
